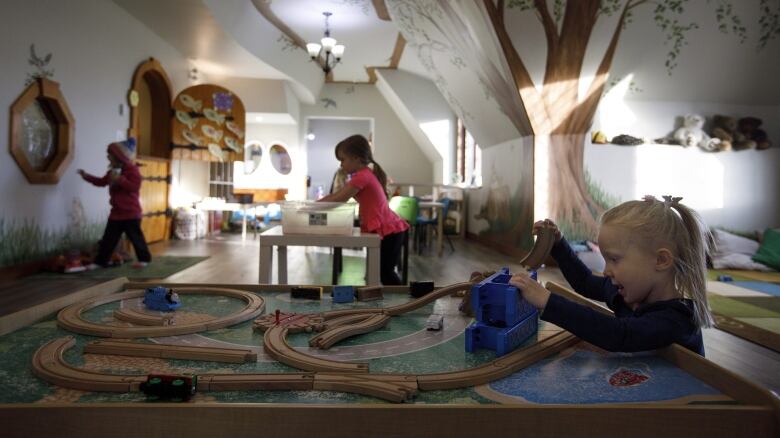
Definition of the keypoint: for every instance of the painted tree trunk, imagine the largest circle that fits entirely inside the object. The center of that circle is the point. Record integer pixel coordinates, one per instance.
(570, 203)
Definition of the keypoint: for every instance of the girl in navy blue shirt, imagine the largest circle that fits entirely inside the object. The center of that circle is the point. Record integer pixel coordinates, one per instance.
(654, 279)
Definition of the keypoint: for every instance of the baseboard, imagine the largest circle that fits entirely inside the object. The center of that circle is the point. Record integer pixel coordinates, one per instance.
(21, 270)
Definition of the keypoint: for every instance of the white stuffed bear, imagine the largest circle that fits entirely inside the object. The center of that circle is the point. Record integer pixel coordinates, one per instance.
(692, 134)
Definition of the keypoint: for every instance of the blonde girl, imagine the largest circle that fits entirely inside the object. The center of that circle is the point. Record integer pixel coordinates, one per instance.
(654, 279)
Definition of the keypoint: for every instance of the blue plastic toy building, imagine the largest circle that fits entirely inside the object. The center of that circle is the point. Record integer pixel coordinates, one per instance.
(504, 319)
(161, 298)
(343, 294)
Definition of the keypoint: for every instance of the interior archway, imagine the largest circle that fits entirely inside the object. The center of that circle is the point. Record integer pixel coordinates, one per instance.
(150, 109)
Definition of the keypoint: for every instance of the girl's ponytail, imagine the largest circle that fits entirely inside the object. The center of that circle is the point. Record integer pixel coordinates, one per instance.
(380, 175)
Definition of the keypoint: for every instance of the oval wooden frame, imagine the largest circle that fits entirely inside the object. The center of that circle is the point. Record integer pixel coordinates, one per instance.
(57, 111)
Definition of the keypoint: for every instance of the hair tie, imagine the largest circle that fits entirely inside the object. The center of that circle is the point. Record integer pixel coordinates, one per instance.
(672, 201)
(649, 198)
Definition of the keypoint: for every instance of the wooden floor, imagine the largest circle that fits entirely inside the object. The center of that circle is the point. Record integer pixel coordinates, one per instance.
(233, 261)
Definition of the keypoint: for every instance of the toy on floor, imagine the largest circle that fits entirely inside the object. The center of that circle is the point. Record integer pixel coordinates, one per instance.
(504, 319)
(420, 288)
(161, 298)
(343, 294)
(169, 387)
(435, 322)
(306, 292)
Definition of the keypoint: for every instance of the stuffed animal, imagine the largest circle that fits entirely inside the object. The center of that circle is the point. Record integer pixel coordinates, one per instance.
(692, 134)
(749, 127)
(726, 129)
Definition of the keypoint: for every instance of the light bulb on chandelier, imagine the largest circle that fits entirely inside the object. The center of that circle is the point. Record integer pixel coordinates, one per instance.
(328, 52)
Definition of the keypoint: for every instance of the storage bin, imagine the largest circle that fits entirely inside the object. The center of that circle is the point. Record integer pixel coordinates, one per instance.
(310, 217)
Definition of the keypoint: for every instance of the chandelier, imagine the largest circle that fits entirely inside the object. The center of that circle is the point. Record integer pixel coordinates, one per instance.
(327, 53)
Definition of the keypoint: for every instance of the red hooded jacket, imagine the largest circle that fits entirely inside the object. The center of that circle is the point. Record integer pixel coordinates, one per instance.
(124, 192)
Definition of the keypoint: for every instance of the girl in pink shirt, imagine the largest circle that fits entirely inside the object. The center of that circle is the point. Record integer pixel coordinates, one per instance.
(369, 189)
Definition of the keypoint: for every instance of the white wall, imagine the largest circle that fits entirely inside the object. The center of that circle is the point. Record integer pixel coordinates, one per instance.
(95, 47)
(258, 95)
(426, 115)
(189, 182)
(394, 149)
(265, 176)
(322, 163)
(738, 189)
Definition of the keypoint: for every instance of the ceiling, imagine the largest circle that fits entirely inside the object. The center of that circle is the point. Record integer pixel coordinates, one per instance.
(190, 27)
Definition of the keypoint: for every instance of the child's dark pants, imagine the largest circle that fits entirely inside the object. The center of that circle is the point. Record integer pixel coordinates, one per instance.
(114, 230)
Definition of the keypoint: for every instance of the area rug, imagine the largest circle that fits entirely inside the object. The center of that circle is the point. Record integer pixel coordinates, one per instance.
(160, 268)
(751, 317)
(769, 277)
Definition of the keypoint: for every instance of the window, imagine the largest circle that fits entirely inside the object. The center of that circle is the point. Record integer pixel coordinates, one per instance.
(468, 158)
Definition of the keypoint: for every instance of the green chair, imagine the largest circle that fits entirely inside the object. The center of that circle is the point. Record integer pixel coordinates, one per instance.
(407, 209)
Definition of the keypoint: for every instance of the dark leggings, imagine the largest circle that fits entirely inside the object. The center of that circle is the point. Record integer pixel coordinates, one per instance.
(389, 252)
(113, 232)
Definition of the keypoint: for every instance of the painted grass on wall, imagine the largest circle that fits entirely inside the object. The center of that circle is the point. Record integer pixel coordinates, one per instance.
(575, 231)
(26, 241)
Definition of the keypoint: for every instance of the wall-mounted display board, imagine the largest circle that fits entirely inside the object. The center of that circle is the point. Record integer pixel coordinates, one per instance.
(208, 124)
(41, 134)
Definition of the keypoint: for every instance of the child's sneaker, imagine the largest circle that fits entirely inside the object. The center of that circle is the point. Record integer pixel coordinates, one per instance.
(139, 265)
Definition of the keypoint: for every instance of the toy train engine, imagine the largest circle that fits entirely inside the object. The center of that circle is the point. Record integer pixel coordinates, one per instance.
(169, 387)
(161, 298)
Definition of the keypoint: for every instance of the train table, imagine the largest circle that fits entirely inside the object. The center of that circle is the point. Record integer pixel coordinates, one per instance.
(252, 359)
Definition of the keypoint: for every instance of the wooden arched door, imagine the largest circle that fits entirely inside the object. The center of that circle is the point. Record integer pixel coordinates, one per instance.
(150, 123)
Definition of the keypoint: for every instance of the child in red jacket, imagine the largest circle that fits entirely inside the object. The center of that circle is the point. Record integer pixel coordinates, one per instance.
(124, 181)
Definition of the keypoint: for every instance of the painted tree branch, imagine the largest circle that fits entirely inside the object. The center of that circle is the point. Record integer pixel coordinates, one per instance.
(581, 120)
(534, 107)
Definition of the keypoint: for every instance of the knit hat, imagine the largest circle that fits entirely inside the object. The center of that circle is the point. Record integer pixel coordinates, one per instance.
(123, 150)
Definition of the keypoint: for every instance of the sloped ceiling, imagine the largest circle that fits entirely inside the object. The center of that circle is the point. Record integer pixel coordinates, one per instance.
(190, 27)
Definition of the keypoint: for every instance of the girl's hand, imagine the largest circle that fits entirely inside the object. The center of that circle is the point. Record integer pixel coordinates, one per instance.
(548, 223)
(532, 291)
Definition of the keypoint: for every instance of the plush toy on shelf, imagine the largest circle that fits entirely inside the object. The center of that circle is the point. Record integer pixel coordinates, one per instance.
(749, 128)
(726, 128)
(692, 134)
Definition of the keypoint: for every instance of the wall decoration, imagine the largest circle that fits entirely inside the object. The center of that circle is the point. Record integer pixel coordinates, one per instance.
(208, 124)
(40, 65)
(132, 98)
(252, 157)
(280, 159)
(41, 132)
(26, 241)
(328, 102)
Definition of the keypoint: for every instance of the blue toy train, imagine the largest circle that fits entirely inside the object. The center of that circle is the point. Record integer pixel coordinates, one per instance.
(161, 298)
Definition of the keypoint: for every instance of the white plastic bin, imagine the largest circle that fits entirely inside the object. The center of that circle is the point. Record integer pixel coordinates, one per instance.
(310, 217)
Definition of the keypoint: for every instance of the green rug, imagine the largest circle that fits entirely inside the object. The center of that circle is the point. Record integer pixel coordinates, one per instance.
(756, 319)
(160, 268)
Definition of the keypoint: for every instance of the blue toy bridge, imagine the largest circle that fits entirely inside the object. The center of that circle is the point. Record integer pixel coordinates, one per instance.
(504, 319)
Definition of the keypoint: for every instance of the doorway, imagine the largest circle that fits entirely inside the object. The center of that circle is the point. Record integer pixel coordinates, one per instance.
(322, 136)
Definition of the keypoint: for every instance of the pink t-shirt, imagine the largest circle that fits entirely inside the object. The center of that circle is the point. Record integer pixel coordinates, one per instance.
(375, 214)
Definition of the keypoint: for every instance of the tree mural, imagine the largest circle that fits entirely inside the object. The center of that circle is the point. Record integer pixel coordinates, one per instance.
(556, 111)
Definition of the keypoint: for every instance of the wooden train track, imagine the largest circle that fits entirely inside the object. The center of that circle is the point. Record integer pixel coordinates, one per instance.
(545, 239)
(49, 364)
(70, 318)
(167, 351)
(329, 337)
(137, 317)
(275, 344)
